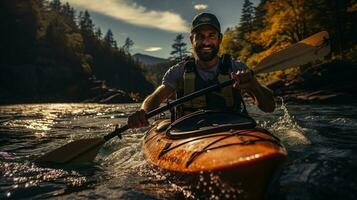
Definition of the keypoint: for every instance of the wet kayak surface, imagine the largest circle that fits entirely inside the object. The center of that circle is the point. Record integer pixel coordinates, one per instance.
(321, 141)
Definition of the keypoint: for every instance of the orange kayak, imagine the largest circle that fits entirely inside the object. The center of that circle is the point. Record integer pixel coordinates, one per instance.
(223, 143)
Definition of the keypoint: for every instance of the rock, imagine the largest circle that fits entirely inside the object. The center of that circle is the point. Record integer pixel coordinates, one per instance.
(275, 84)
(117, 98)
(330, 82)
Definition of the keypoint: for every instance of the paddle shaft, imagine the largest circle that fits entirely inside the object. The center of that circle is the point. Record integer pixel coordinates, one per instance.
(118, 131)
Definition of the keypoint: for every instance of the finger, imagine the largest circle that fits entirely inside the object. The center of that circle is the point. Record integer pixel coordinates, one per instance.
(142, 119)
(130, 122)
(139, 120)
(249, 73)
(136, 120)
(233, 75)
(145, 120)
(238, 73)
(236, 83)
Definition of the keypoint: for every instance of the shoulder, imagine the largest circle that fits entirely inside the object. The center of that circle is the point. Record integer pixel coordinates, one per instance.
(176, 70)
(173, 75)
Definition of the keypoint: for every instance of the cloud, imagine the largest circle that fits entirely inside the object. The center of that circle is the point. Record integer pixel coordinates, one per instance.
(135, 14)
(153, 49)
(200, 6)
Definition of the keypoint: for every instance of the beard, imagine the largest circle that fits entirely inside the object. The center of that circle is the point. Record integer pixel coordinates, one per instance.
(206, 56)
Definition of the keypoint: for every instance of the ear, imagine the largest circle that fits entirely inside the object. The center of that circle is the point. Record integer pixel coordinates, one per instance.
(191, 38)
(220, 38)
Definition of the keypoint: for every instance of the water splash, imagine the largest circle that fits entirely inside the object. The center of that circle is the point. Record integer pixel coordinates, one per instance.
(212, 187)
(287, 129)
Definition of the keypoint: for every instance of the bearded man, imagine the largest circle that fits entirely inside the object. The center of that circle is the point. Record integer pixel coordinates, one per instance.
(204, 69)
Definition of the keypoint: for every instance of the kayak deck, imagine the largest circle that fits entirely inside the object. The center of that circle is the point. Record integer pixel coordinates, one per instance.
(217, 151)
(248, 156)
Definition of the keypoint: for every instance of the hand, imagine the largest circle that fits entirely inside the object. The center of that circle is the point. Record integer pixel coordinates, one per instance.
(244, 79)
(138, 119)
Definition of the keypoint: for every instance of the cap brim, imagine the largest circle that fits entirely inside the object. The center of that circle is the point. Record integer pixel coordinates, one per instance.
(194, 28)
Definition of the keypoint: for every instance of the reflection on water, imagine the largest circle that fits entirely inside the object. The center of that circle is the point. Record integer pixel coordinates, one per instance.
(321, 141)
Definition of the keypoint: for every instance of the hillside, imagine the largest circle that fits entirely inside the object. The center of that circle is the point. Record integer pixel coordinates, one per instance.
(148, 60)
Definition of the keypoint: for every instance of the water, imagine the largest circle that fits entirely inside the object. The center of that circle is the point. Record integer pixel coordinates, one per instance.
(321, 141)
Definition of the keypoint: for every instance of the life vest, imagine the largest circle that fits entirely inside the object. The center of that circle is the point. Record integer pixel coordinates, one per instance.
(227, 98)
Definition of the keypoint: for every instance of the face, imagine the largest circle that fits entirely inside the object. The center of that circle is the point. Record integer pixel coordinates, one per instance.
(205, 42)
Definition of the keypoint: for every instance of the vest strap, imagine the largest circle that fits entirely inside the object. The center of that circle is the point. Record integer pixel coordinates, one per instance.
(188, 86)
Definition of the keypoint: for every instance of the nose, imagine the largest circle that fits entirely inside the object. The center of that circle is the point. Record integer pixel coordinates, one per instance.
(206, 41)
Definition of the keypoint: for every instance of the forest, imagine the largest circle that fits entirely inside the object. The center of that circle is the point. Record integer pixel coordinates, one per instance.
(273, 25)
(51, 53)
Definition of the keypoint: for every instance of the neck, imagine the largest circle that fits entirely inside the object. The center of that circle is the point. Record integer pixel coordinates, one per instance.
(208, 64)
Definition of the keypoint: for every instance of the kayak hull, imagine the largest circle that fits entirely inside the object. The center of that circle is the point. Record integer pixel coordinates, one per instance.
(244, 158)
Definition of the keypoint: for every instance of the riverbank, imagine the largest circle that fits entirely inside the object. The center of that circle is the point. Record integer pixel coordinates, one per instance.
(332, 82)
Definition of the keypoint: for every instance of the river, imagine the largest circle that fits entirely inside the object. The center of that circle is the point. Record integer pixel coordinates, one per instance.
(321, 141)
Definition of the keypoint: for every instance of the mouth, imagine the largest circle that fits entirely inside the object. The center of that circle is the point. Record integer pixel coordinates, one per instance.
(206, 49)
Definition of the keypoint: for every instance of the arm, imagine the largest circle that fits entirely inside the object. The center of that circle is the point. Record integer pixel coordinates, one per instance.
(263, 96)
(138, 119)
(156, 98)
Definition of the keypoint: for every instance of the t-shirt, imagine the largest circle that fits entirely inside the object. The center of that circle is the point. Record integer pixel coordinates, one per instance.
(174, 75)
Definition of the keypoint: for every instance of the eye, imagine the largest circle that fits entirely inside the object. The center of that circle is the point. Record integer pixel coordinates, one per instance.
(212, 36)
(199, 37)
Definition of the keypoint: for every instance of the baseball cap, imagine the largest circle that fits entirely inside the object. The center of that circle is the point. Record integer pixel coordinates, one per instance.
(205, 19)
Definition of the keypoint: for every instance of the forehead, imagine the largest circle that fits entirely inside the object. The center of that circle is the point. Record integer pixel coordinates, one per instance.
(205, 29)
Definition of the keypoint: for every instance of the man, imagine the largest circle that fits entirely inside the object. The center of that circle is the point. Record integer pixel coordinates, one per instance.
(205, 69)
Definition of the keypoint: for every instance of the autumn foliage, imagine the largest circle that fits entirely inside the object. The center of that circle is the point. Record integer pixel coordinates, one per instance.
(275, 24)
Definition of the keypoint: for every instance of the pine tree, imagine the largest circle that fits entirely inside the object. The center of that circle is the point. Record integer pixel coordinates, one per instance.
(127, 45)
(68, 11)
(259, 20)
(55, 5)
(180, 51)
(109, 39)
(86, 24)
(246, 20)
(98, 33)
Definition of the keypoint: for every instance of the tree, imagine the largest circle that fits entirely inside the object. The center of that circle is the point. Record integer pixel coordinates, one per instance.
(259, 20)
(55, 5)
(86, 24)
(180, 51)
(127, 45)
(98, 33)
(109, 39)
(68, 11)
(246, 20)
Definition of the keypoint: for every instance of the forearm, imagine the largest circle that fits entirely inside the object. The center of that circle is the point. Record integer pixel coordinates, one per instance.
(150, 103)
(156, 98)
(263, 96)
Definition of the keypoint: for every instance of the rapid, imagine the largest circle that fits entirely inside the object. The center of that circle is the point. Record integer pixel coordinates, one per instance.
(321, 141)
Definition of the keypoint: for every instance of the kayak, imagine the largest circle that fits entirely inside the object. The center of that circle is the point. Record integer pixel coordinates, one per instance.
(227, 144)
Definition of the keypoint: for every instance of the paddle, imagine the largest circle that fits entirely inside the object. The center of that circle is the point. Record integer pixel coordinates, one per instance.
(307, 50)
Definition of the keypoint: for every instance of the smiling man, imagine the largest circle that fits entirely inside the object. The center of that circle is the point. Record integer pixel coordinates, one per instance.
(204, 69)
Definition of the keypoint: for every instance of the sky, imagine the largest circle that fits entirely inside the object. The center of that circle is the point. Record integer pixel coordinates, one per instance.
(154, 24)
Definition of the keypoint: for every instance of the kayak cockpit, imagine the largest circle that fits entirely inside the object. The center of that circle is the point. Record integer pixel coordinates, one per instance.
(205, 122)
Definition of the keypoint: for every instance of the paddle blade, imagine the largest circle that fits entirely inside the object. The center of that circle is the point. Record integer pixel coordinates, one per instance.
(84, 150)
(310, 49)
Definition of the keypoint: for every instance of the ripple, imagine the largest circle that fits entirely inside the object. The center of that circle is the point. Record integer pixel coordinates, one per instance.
(320, 139)
(20, 177)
